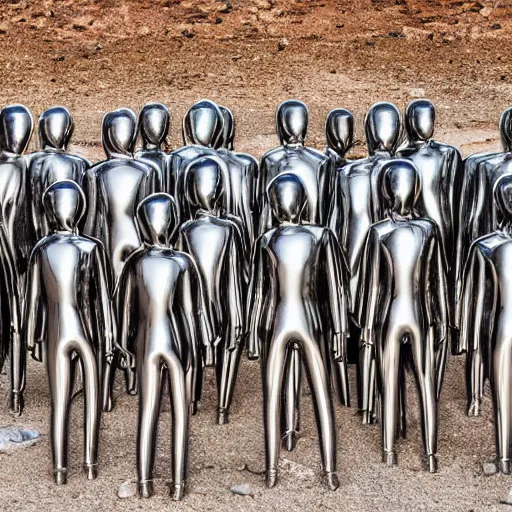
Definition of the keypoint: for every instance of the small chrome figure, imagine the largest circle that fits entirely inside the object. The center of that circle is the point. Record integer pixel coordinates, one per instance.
(52, 163)
(214, 240)
(15, 131)
(114, 188)
(69, 311)
(296, 279)
(488, 331)
(402, 306)
(339, 135)
(160, 295)
(153, 127)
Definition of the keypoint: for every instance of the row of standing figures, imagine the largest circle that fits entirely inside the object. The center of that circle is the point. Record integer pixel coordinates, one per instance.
(163, 264)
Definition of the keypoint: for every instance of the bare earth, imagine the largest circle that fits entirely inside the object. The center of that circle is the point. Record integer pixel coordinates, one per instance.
(93, 56)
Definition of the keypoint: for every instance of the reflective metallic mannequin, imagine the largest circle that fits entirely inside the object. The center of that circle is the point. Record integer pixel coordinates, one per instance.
(402, 306)
(15, 130)
(153, 127)
(69, 311)
(356, 205)
(214, 240)
(243, 171)
(52, 163)
(339, 135)
(488, 331)
(114, 188)
(203, 126)
(441, 174)
(160, 294)
(314, 169)
(297, 297)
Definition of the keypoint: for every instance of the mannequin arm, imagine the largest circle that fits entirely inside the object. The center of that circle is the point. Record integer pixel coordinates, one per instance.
(34, 308)
(125, 307)
(235, 293)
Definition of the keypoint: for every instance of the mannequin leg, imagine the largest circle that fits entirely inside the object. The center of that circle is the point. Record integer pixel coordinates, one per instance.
(291, 399)
(475, 376)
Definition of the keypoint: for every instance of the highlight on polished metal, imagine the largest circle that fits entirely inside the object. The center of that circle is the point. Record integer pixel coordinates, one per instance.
(161, 304)
(485, 324)
(297, 277)
(153, 127)
(114, 188)
(355, 206)
(402, 307)
(339, 135)
(16, 125)
(69, 312)
(214, 239)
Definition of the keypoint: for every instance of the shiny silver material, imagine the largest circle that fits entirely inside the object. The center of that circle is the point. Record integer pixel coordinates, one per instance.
(339, 135)
(297, 305)
(153, 127)
(69, 312)
(52, 163)
(214, 239)
(16, 125)
(162, 312)
(402, 306)
(114, 188)
(486, 324)
(354, 207)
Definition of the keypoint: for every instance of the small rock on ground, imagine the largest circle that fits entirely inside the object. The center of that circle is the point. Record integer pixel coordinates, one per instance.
(12, 438)
(508, 499)
(242, 490)
(127, 490)
(490, 468)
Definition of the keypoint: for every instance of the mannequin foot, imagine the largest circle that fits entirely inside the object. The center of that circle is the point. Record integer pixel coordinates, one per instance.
(505, 466)
(271, 478)
(179, 491)
(290, 440)
(91, 470)
(223, 417)
(389, 458)
(474, 408)
(16, 405)
(146, 489)
(108, 404)
(131, 382)
(60, 476)
(333, 481)
(432, 463)
(193, 408)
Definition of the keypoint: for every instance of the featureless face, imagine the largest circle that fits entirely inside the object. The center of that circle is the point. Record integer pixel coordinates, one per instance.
(203, 124)
(205, 186)
(64, 203)
(119, 130)
(292, 122)
(420, 117)
(156, 217)
(286, 197)
(55, 128)
(16, 126)
(340, 130)
(503, 194)
(154, 125)
(383, 127)
(401, 184)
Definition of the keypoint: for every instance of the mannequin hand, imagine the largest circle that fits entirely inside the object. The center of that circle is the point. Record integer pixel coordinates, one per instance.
(253, 347)
(209, 355)
(339, 345)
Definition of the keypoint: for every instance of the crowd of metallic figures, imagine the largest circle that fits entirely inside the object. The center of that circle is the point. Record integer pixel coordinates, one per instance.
(161, 264)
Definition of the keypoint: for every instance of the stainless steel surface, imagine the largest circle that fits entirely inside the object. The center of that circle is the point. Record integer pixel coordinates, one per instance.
(339, 135)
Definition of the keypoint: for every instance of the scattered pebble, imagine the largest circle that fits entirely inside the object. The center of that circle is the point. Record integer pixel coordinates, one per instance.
(417, 34)
(486, 11)
(283, 43)
(417, 92)
(242, 490)
(508, 499)
(490, 468)
(127, 490)
(12, 438)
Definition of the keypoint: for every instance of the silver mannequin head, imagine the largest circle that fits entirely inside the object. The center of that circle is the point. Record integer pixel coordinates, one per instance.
(16, 125)
(157, 219)
(506, 129)
(339, 130)
(119, 133)
(400, 186)
(154, 121)
(287, 198)
(382, 128)
(292, 122)
(228, 133)
(420, 116)
(204, 184)
(203, 124)
(64, 205)
(55, 128)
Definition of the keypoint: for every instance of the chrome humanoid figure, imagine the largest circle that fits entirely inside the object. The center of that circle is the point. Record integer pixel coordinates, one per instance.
(355, 207)
(52, 163)
(203, 126)
(488, 331)
(114, 188)
(160, 294)
(214, 239)
(15, 131)
(153, 126)
(402, 306)
(297, 301)
(339, 135)
(243, 171)
(69, 311)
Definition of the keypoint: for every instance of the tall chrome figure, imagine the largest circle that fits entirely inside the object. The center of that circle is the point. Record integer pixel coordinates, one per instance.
(402, 305)
(489, 331)
(15, 130)
(214, 240)
(52, 163)
(355, 206)
(161, 304)
(69, 310)
(296, 279)
(153, 127)
(339, 135)
(114, 188)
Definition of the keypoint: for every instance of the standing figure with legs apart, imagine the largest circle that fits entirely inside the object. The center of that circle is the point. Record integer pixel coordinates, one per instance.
(153, 128)
(161, 300)
(355, 205)
(114, 188)
(214, 239)
(15, 131)
(489, 331)
(69, 310)
(402, 304)
(297, 303)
